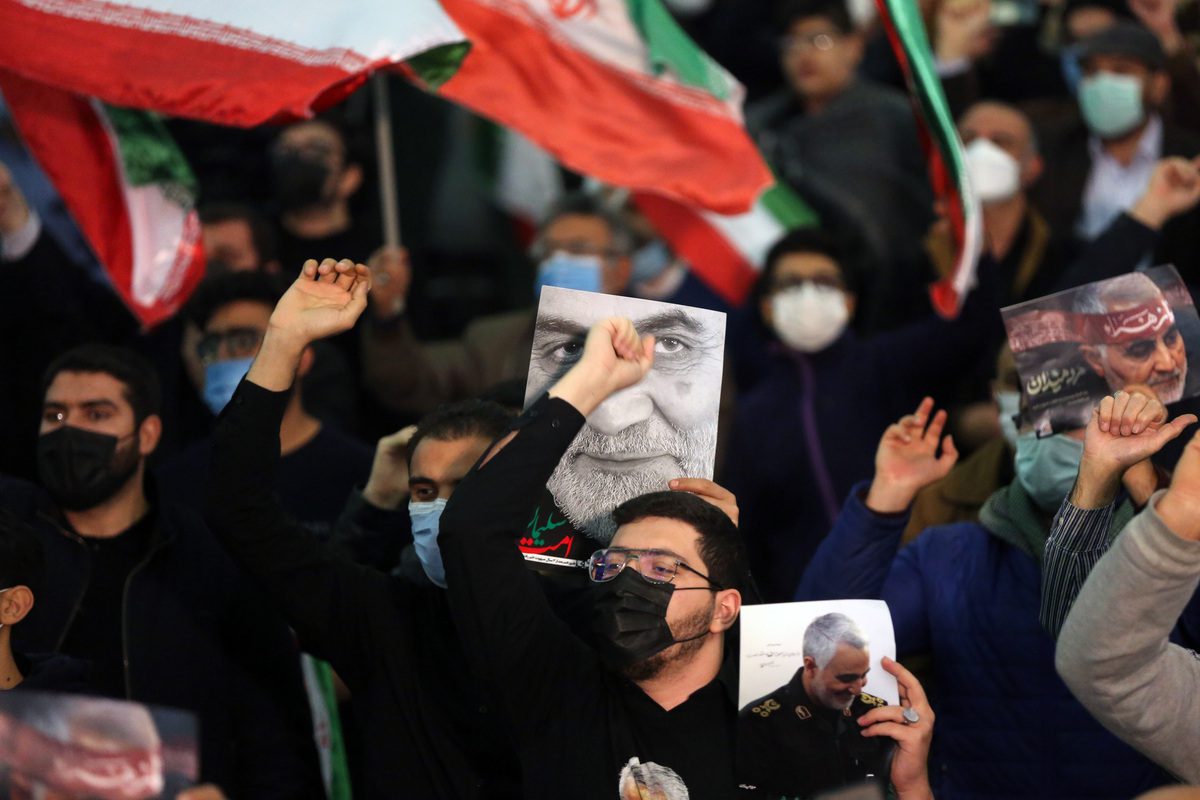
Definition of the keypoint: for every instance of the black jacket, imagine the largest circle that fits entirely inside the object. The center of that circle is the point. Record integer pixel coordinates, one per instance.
(426, 727)
(581, 731)
(195, 638)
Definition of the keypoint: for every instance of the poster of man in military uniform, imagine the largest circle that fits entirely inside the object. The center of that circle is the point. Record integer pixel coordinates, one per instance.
(802, 738)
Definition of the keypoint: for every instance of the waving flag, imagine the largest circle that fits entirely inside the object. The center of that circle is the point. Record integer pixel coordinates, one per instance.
(944, 150)
(612, 89)
(234, 63)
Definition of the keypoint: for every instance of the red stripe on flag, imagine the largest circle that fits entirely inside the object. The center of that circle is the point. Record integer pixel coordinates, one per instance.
(597, 119)
(178, 74)
(712, 258)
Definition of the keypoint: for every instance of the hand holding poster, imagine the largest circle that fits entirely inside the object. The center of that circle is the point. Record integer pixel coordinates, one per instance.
(804, 671)
(1131, 332)
(664, 427)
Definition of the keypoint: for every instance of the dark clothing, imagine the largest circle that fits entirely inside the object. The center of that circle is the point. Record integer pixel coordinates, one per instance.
(426, 728)
(193, 637)
(793, 454)
(51, 672)
(1007, 726)
(511, 632)
(94, 634)
(313, 482)
(1059, 193)
(790, 745)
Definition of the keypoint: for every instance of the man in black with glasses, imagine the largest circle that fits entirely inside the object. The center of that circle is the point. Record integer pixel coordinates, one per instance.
(643, 699)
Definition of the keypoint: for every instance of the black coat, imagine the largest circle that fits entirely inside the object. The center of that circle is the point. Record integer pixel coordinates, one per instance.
(195, 638)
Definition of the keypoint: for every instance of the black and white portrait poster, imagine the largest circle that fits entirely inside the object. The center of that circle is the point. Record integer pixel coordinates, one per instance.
(664, 427)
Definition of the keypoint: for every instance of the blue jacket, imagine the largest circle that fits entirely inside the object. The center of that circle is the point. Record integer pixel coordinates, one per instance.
(1006, 724)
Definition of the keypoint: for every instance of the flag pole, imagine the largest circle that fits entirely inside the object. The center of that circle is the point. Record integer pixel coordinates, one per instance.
(386, 161)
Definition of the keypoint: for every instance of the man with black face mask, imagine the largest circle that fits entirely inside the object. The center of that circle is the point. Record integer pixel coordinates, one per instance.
(646, 700)
(142, 592)
(314, 176)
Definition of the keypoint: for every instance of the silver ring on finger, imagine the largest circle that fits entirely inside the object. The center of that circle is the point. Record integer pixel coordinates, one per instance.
(911, 717)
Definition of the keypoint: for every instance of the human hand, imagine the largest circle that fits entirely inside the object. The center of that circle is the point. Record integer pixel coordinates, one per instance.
(614, 358)
(14, 211)
(392, 276)
(1174, 188)
(907, 460)
(962, 29)
(387, 486)
(1179, 508)
(325, 300)
(1126, 428)
(910, 771)
(1159, 17)
(711, 492)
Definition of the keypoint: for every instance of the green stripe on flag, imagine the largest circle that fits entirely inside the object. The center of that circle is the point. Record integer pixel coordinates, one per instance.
(438, 65)
(672, 49)
(786, 206)
(148, 153)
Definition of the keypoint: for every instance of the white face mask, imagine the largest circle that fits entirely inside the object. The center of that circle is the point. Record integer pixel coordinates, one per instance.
(809, 317)
(995, 175)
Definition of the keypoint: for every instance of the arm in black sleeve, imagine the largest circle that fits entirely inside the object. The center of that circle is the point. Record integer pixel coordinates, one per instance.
(504, 621)
(1116, 251)
(322, 594)
(370, 535)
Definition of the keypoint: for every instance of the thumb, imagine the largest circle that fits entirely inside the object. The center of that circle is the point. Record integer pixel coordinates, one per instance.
(1173, 428)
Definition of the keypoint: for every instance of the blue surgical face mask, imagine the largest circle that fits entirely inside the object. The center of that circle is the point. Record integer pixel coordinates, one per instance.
(1111, 104)
(1010, 406)
(221, 379)
(569, 271)
(425, 520)
(649, 261)
(1046, 467)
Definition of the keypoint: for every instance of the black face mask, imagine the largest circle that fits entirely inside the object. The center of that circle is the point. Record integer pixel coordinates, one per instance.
(81, 469)
(631, 619)
(299, 181)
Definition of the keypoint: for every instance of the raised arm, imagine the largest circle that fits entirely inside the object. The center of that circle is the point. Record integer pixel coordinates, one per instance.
(1114, 652)
(1124, 432)
(318, 590)
(505, 623)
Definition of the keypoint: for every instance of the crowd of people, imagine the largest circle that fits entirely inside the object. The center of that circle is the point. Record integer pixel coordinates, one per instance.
(341, 506)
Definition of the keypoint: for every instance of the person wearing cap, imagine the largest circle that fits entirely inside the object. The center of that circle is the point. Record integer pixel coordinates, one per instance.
(1102, 162)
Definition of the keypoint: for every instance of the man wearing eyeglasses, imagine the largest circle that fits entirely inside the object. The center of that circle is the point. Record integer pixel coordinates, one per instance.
(803, 738)
(642, 698)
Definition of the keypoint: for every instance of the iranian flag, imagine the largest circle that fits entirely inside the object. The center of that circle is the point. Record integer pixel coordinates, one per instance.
(241, 63)
(944, 151)
(126, 185)
(613, 89)
(727, 251)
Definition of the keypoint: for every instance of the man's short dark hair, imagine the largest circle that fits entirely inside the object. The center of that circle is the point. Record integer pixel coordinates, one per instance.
(141, 387)
(482, 418)
(794, 11)
(586, 205)
(261, 232)
(217, 291)
(720, 543)
(799, 242)
(22, 561)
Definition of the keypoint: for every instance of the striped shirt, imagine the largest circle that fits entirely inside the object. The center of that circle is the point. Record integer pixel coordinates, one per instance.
(1078, 539)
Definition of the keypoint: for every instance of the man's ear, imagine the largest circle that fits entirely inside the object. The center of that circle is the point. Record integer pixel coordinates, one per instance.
(1092, 356)
(810, 664)
(851, 303)
(1031, 171)
(306, 362)
(149, 433)
(1158, 88)
(728, 606)
(350, 181)
(15, 605)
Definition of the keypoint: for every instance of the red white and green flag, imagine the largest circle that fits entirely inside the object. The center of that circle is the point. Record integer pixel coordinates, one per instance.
(727, 251)
(944, 151)
(237, 63)
(126, 185)
(613, 89)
